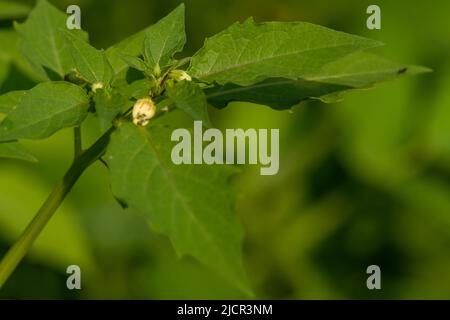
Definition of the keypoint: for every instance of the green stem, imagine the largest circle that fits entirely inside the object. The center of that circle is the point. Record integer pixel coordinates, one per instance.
(15, 254)
(78, 145)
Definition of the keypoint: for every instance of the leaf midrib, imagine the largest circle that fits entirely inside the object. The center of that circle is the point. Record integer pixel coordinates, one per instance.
(275, 57)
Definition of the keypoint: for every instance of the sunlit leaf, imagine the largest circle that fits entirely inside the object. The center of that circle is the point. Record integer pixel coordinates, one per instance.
(45, 109)
(165, 38)
(190, 204)
(358, 70)
(43, 42)
(249, 52)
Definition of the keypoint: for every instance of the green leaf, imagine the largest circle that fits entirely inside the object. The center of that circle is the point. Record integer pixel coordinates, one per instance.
(134, 62)
(108, 106)
(131, 46)
(191, 204)
(14, 150)
(43, 43)
(91, 63)
(190, 98)
(137, 89)
(363, 69)
(10, 100)
(45, 109)
(248, 53)
(12, 10)
(15, 70)
(165, 38)
(358, 70)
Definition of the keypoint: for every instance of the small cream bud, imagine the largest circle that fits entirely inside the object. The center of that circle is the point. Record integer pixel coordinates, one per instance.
(180, 75)
(97, 86)
(144, 109)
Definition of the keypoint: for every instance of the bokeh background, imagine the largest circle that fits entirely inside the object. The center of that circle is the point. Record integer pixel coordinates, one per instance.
(364, 181)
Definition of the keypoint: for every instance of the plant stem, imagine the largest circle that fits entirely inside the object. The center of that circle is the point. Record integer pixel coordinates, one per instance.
(77, 142)
(20, 248)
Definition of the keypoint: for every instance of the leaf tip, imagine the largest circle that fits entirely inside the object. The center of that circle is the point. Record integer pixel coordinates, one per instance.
(413, 70)
(180, 10)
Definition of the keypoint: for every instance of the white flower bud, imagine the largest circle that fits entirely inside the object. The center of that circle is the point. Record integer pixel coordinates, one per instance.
(180, 75)
(144, 109)
(97, 86)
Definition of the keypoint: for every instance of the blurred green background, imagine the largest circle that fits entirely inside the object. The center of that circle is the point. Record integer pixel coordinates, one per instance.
(365, 181)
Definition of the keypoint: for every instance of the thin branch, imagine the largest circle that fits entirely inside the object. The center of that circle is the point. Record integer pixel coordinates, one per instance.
(20, 248)
(77, 142)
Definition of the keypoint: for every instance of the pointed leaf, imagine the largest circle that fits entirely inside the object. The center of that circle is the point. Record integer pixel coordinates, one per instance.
(191, 204)
(131, 46)
(165, 38)
(248, 53)
(134, 62)
(91, 63)
(190, 98)
(363, 69)
(137, 89)
(45, 109)
(43, 42)
(12, 61)
(359, 70)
